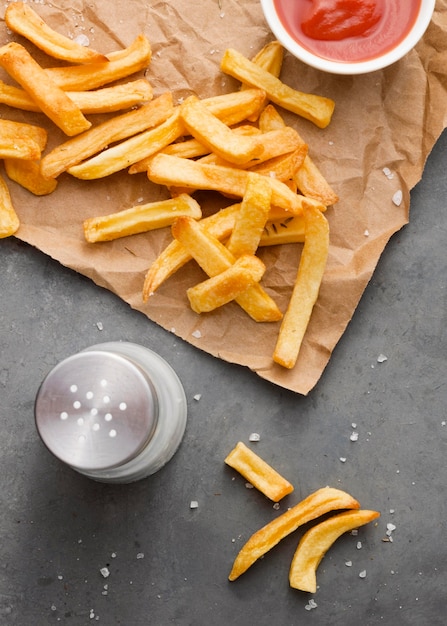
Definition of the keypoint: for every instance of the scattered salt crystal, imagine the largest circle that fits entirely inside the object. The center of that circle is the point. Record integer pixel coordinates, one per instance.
(397, 198)
(391, 511)
(354, 532)
(254, 437)
(443, 423)
(354, 425)
(140, 555)
(53, 607)
(248, 486)
(105, 571)
(197, 334)
(354, 436)
(359, 545)
(113, 555)
(362, 574)
(194, 504)
(382, 358)
(366, 233)
(389, 528)
(197, 397)
(348, 563)
(343, 459)
(331, 143)
(276, 506)
(311, 605)
(99, 325)
(82, 40)
(92, 614)
(388, 173)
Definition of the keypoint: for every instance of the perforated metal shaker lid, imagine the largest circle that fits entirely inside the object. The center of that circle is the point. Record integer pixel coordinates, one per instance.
(96, 410)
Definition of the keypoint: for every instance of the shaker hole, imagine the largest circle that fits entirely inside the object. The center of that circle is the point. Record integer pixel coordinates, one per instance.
(108, 417)
(64, 415)
(89, 395)
(106, 399)
(76, 404)
(95, 426)
(73, 388)
(112, 433)
(122, 406)
(93, 411)
(80, 421)
(103, 383)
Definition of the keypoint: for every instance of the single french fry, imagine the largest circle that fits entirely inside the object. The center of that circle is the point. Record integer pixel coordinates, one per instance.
(172, 171)
(120, 64)
(21, 141)
(282, 167)
(9, 220)
(286, 230)
(217, 136)
(174, 256)
(214, 258)
(28, 175)
(140, 219)
(311, 183)
(231, 108)
(270, 58)
(105, 100)
(97, 138)
(251, 219)
(314, 108)
(226, 286)
(130, 151)
(316, 504)
(22, 19)
(50, 98)
(306, 288)
(316, 542)
(270, 119)
(258, 473)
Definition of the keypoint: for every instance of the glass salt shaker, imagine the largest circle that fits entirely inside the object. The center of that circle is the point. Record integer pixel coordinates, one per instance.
(115, 412)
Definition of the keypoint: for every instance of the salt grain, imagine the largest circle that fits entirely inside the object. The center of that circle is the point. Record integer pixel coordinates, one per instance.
(105, 572)
(140, 555)
(354, 436)
(388, 173)
(397, 198)
(248, 486)
(197, 397)
(311, 605)
(343, 459)
(348, 563)
(359, 545)
(382, 358)
(362, 574)
(99, 325)
(254, 437)
(82, 40)
(276, 506)
(197, 334)
(194, 504)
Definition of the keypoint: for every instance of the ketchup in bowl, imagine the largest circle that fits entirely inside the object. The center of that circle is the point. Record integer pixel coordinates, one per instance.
(348, 30)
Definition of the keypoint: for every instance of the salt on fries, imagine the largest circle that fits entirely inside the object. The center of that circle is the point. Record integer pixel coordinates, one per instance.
(258, 473)
(316, 542)
(316, 504)
(236, 144)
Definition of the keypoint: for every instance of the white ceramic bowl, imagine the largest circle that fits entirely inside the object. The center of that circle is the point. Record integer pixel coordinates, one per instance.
(339, 67)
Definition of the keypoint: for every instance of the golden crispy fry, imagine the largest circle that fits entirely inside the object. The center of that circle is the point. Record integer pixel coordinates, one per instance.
(270, 119)
(174, 256)
(105, 100)
(21, 141)
(28, 175)
(316, 109)
(140, 219)
(282, 167)
(115, 129)
(9, 221)
(130, 151)
(251, 219)
(21, 19)
(305, 291)
(259, 473)
(316, 542)
(173, 171)
(311, 182)
(214, 258)
(230, 108)
(318, 503)
(270, 58)
(121, 63)
(286, 230)
(50, 98)
(218, 137)
(226, 286)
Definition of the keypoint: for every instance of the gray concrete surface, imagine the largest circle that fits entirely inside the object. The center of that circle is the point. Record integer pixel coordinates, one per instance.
(169, 563)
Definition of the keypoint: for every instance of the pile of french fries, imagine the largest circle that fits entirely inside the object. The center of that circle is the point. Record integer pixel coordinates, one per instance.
(236, 144)
(316, 541)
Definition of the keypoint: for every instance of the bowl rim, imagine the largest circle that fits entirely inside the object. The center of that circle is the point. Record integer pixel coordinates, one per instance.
(421, 24)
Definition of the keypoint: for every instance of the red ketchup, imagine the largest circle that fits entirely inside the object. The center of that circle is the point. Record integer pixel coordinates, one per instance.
(348, 30)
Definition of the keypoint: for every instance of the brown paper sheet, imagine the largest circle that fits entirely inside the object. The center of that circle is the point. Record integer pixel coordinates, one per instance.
(384, 126)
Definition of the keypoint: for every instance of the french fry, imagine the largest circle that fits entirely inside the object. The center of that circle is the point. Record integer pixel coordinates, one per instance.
(50, 98)
(311, 182)
(20, 141)
(9, 220)
(97, 138)
(130, 151)
(316, 542)
(140, 219)
(305, 291)
(270, 119)
(314, 108)
(286, 230)
(22, 19)
(282, 167)
(105, 100)
(174, 256)
(316, 504)
(28, 175)
(218, 137)
(270, 58)
(225, 287)
(253, 215)
(258, 473)
(172, 171)
(120, 64)
(214, 258)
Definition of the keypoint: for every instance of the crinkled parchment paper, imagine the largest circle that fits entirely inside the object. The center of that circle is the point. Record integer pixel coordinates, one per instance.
(383, 129)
